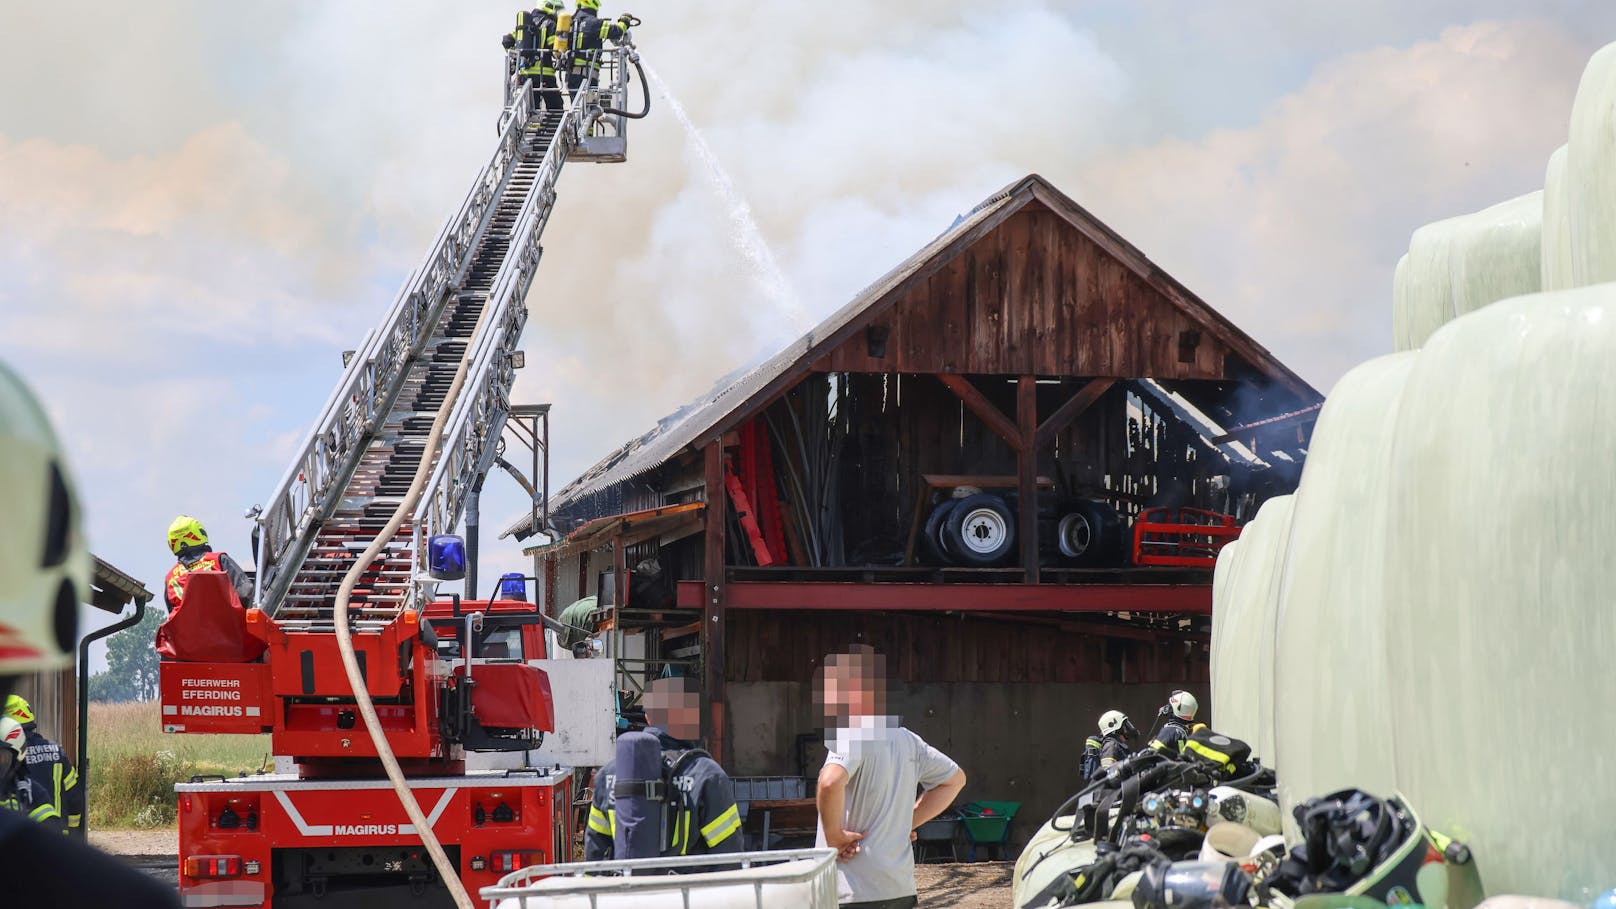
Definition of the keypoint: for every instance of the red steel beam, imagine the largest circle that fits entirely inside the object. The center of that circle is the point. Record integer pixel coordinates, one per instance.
(1190, 599)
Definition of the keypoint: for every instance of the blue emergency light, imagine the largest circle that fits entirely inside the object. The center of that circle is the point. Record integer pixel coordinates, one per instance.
(512, 586)
(446, 557)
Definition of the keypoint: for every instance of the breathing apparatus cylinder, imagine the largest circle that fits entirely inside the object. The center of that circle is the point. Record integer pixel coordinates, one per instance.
(638, 797)
(563, 35)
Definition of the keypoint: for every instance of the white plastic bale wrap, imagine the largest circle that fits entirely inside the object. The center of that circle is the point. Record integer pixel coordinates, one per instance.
(1243, 589)
(1499, 609)
(1330, 696)
(1556, 270)
(1497, 253)
(1461, 264)
(1591, 173)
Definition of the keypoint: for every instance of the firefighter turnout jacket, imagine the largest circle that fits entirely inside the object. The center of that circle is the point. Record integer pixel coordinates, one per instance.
(204, 559)
(1174, 735)
(1100, 752)
(27, 797)
(700, 816)
(531, 41)
(589, 34)
(50, 771)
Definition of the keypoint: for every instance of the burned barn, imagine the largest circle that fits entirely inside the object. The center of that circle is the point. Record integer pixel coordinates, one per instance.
(1008, 465)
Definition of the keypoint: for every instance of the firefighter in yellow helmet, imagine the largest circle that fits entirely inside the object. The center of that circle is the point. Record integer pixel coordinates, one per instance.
(18, 791)
(48, 765)
(589, 34)
(189, 543)
(43, 579)
(530, 44)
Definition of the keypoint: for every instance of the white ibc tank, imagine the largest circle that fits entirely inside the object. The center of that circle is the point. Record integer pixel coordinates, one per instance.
(799, 879)
(1461, 264)
(1244, 586)
(1500, 617)
(1591, 172)
(1330, 696)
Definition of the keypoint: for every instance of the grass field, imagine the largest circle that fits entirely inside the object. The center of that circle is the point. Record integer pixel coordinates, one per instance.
(134, 764)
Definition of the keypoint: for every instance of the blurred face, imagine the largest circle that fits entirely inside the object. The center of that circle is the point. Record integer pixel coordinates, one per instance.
(851, 686)
(674, 706)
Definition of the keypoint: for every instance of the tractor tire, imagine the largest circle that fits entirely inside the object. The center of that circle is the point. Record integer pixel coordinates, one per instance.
(1089, 534)
(981, 531)
(931, 537)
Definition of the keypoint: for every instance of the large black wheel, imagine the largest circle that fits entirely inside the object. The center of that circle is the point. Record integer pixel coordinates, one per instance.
(1088, 534)
(931, 539)
(981, 531)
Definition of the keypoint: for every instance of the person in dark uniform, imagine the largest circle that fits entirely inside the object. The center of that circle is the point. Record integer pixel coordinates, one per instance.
(48, 766)
(700, 816)
(589, 34)
(1117, 734)
(1175, 732)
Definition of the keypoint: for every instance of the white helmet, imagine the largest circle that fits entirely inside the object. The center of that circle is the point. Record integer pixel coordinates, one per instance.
(1183, 705)
(1111, 721)
(15, 739)
(45, 566)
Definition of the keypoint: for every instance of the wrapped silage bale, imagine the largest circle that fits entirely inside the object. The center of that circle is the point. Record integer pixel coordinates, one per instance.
(1331, 703)
(1276, 536)
(1497, 253)
(1556, 258)
(1498, 595)
(1591, 172)
(1461, 264)
(1242, 621)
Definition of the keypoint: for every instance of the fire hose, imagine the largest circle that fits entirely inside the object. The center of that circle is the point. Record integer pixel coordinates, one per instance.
(350, 664)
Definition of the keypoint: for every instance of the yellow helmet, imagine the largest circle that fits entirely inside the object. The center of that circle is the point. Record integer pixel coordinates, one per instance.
(18, 709)
(589, 5)
(186, 532)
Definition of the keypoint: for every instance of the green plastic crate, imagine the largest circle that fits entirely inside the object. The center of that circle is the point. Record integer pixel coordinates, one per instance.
(988, 822)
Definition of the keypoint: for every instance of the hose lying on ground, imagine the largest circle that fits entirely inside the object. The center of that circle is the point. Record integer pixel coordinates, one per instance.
(350, 664)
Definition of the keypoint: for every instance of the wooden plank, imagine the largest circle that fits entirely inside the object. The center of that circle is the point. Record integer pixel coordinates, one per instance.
(1071, 410)
(713, 605)
(978, 404)
(1027, 474)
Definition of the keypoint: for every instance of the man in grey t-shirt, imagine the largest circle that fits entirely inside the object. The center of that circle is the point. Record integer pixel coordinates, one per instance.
(869, 784)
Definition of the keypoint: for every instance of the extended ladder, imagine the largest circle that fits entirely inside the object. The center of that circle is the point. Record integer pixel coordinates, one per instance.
(357, 463)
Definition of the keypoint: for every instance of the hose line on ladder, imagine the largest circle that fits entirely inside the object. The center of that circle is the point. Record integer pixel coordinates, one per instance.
(350, 664)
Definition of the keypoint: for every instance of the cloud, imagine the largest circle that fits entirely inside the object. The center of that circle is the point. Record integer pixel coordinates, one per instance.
(1292, 227)
(188, 240)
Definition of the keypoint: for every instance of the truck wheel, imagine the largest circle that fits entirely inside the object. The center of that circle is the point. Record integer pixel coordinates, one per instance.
(931, 538)
(1088, 534)
(981, 530)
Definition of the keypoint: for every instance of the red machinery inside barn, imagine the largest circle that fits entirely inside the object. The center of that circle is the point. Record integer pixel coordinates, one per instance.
(336, 826)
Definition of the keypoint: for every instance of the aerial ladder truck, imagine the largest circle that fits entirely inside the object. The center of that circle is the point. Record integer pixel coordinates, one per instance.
(371, 684)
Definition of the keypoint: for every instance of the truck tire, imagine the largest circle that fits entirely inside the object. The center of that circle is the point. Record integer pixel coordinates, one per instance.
(931, 537)
(1088, 534)
(981, 531)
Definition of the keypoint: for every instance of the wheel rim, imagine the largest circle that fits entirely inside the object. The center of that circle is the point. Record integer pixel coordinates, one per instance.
(1075, 535)
(984, 531)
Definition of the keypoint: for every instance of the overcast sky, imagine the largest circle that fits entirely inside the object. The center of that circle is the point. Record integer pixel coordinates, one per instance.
(203, 206)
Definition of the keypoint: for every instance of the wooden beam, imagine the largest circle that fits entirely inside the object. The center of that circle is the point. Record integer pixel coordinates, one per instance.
(977, 403)
(1071, 410)
(841, 596)
(1027, 474)
(713, 600)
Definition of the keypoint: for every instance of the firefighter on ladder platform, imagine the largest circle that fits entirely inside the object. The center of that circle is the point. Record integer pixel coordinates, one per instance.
(531, 41)
(189, 543)
(589, 34)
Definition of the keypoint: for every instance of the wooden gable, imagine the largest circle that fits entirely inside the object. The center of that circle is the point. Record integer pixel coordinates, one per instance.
(1036, 295)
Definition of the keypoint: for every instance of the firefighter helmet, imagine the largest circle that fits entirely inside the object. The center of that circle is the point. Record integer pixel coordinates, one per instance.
(1184, 705)
(593, 5)
(46, 567)
(551, 8)
(13, 735)
(1113, 721)
(185, 533)
(18, 709)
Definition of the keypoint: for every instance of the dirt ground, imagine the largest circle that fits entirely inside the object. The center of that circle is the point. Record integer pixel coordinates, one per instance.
(137, 842)
(983, 885)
